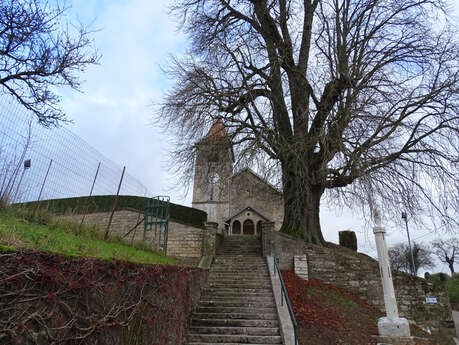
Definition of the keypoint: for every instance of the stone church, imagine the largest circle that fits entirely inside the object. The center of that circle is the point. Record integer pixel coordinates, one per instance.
(239, 202)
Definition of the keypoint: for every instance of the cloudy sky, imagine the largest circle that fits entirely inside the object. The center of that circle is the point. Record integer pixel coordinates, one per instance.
(114, 114)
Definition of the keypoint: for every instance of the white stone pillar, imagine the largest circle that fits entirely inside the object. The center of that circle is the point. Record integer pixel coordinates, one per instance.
(392, 325)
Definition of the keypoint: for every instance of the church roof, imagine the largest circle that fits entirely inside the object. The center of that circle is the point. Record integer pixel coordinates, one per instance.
(217, 135)
(217, 130)
(248, 208)
(250, 171)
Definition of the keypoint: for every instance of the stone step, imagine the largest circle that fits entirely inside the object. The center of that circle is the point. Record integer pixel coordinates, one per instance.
(242, 262)
(241, 285)
(233, 271)
(225, 322)
(201, 343)
(257, 275)
(232, 294)
(235, 303)
(240, 254)
(242, 299)
(237, 255)
(237, 316)
(238, 339)
(235, 330)
(239, 264)
(250, 246)
(242, 280)
(235, 309)
(225, 289)
(239, 249)
(241, 239)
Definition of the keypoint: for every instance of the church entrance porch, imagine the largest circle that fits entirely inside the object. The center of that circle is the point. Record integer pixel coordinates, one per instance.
(246, 222)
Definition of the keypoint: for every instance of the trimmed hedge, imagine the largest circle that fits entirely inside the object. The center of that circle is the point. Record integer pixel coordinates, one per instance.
(104, 203)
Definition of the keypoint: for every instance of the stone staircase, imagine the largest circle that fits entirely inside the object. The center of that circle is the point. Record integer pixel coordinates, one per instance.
(237, 306)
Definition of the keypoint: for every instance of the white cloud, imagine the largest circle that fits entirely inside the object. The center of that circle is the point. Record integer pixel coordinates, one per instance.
(114, 112)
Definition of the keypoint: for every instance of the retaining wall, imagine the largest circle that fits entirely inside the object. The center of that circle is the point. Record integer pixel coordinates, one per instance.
(188, 243)
(359, 274)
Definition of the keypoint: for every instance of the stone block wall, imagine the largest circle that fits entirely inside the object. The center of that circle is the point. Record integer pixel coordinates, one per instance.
(184, 241)
(359, 274)
(122, 222)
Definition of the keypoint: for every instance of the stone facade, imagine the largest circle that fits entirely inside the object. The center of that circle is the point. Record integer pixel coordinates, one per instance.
(359, 274)
(247, 189)
(226, 196)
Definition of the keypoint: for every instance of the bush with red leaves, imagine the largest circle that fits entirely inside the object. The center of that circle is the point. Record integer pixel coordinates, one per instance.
(50, 299)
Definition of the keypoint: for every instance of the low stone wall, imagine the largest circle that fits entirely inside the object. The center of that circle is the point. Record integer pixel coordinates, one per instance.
(359, 274)
(184, 241)
(122, 222)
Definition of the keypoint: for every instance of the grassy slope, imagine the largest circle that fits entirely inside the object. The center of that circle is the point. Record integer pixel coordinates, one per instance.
(39, 231)
(328, 315)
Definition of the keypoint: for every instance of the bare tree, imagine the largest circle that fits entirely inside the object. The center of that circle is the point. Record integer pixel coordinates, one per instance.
(38, 51)
(356, 98)
(400, 257)
(446, 251)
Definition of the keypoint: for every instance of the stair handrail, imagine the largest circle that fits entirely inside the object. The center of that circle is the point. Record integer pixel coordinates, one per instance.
(284, 292)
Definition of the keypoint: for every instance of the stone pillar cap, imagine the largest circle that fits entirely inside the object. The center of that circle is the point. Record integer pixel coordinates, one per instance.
(379, 229)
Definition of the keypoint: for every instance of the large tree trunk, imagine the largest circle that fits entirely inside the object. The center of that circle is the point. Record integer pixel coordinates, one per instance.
(301, 206)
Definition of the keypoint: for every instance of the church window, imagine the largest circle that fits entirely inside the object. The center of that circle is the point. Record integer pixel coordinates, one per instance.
(236, 227)
(248, 227)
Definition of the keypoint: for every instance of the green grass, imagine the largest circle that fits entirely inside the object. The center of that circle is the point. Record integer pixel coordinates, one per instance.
(453, 290)
(37, 230)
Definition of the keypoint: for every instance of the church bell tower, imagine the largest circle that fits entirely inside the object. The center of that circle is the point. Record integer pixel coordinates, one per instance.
(212, 172)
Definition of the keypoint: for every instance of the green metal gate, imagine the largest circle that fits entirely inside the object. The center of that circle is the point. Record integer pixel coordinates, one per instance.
(156, 224)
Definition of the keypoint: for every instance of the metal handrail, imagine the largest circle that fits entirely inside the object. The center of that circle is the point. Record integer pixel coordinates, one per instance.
(284, 292)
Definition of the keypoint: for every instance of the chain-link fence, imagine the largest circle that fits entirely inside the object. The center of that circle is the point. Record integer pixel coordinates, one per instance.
(37, 163)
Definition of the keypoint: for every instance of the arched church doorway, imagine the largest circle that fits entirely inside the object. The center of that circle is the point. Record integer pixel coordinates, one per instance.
(236, 229)
(248, 227)
(259, 227)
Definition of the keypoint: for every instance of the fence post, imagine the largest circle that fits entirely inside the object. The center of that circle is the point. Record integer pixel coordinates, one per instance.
(86, 206)
(114, 206)
(44, 181)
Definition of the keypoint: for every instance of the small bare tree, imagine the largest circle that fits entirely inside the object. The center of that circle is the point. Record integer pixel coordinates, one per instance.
(400, 257)
(446, 251)
(357, 98)
(38, 51)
